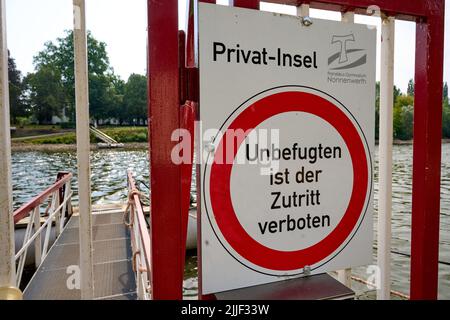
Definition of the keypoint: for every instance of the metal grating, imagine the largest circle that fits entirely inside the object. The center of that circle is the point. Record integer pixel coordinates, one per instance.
(99, 232)
(98, 219)
(73, 222)
(110, 231)
(50, 285)
(104, 251)
(113, 279)
(62, 257)
(113, 275)
(107, 218)
(69, 236)
(112, 250)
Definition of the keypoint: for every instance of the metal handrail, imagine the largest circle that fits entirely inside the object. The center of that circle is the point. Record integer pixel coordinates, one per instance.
(140, 240)
(25, 210)
(59, 208)
(102, 136)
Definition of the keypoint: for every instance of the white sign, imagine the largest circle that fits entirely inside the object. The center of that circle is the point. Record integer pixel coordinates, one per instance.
(286, 180)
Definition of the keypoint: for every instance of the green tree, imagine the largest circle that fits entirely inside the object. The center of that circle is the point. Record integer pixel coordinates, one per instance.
(445, 91)
(98, 96)
(135, 97)
(410, 90)
(58, 55)
(445, 112)
(18, 106)
(403, 117)
(396, 93)
(446, 119)
(46, 93)
(116, 100)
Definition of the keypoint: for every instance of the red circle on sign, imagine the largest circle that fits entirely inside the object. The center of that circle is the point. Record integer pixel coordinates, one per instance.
(220, 176)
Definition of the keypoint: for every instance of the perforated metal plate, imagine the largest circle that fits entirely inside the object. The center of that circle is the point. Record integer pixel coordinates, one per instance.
(113, 279)
(113, 275)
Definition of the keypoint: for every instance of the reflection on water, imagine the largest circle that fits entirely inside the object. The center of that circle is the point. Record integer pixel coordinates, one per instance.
(34, 171)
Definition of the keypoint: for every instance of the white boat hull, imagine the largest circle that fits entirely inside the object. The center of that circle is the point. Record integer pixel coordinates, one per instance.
(191, 240)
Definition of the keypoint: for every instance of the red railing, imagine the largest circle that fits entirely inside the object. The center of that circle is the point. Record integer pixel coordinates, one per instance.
(25, 210)
(140, 240)
(57, 199)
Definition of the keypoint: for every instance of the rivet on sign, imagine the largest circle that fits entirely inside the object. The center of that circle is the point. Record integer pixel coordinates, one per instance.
(307, 270)
(307, 21)
(210, 147)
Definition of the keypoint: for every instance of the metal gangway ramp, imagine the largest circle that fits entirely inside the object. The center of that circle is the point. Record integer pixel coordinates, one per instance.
(47, 235)
(113, 274)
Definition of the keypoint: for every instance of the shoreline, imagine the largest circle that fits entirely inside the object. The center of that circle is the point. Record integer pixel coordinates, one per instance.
(410, 142)
(28, 147)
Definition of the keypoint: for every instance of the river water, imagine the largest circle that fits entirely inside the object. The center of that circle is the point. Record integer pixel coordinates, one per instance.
(34, 171)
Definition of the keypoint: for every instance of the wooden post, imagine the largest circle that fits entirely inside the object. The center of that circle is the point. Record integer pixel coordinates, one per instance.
(83, 149)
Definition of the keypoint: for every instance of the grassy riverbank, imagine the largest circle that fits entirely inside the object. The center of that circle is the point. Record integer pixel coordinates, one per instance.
(55, 138)
(28, 147)
(47, 135)
(37, 130)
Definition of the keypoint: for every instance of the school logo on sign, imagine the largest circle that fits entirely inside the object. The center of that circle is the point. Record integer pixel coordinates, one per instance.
(346, 58)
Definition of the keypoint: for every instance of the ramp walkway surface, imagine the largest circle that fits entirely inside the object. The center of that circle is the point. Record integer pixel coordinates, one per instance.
(114, 278)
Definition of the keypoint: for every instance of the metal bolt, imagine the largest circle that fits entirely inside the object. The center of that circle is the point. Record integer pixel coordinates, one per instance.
(209, 147)
(307, 21)
(307, 270)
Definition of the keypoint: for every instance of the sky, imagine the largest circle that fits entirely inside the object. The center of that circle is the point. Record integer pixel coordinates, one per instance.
(122, 24)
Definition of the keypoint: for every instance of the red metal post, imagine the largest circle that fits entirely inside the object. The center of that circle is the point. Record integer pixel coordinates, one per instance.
(164, 118)
(190, 37)
(182, 66)
(249, 4)
(427, 154)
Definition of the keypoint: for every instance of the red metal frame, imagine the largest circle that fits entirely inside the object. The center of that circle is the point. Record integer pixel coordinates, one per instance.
(427, 156)
(165, 117)
(26, 209)
(249, 4)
